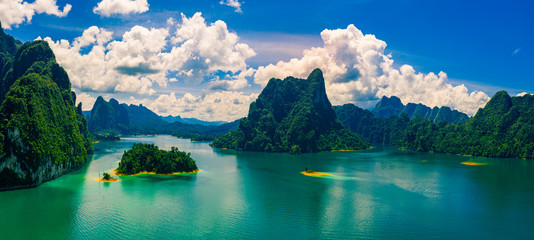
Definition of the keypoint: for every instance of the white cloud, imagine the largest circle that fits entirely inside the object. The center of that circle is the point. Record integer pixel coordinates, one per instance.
(232, 3)
(120, 7)
(357, 69)
(516, 51)
(191, 51)
(214, 106)
(523, 94)
(87, 100)
(15, 12)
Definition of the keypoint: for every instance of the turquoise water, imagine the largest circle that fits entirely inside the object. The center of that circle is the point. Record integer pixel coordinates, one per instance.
(382, 193)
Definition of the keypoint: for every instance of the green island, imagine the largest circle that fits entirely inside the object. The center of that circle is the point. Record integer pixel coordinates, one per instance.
(106, 177)
(149, 159)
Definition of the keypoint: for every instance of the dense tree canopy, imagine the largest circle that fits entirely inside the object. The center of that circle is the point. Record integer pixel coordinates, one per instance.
(42, 133)
(503, 128)
(149, 158)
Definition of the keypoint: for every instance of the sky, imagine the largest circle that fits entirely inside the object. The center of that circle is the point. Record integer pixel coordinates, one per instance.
(211, 59)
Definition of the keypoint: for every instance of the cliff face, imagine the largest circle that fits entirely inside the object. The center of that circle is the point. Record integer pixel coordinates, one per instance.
(291, 115)
(393, 106)
(42, 135)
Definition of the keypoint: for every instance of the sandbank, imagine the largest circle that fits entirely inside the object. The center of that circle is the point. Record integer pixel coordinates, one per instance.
(104, 180)
(474, 163)
(153, 173)
(315, 174)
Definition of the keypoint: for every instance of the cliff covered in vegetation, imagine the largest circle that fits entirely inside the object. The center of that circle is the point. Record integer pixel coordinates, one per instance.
(43, 135)
(291, 115)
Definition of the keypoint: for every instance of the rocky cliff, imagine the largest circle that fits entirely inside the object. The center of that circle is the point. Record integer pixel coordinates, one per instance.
(42, 133)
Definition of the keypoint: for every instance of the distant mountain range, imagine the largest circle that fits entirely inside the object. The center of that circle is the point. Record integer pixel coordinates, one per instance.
(108, 120)
(393, 106)
(171, 119)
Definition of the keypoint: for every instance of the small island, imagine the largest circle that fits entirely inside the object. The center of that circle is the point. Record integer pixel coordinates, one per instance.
(149, 159)
(107, 178)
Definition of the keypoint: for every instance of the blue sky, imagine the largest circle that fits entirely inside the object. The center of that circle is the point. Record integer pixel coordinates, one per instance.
(481, 44)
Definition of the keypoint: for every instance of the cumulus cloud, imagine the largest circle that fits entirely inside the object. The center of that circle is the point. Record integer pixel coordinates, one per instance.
(120, 7)
(357, 69)
(232, 3)
(213, 106)
(15, 12)
(523, 94)
(87, 100)
(190, 51)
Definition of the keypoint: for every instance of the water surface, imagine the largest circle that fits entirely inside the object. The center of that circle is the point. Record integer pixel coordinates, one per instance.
(382, 193)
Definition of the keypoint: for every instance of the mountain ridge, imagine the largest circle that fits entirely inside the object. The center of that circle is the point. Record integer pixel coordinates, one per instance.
(388, 106)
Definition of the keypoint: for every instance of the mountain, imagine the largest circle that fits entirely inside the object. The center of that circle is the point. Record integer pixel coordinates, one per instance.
(171, 119)
(503, 128)
(43, 135)
(293, 115)
(109, 118)
(142, 120)
(373, 129)
(393, 106)
(87, 115)
(199, 132)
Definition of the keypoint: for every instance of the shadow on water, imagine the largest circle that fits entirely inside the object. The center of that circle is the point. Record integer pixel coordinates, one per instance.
(43, 212)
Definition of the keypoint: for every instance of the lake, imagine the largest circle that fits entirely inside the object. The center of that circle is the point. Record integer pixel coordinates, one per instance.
(381, 193)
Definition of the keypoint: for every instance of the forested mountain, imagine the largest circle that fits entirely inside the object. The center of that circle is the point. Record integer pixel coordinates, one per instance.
(142, 119)
(393, 106)
(503, 128)
(373, 129)
(42, 134)
(111, 119)
(293, 115)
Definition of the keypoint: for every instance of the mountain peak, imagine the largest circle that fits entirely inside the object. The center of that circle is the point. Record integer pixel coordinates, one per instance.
(388, 106)
(291, 115)
(500, 103)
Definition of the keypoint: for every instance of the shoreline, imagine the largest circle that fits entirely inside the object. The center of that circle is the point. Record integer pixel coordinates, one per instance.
(152, 173)
(106, 181)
